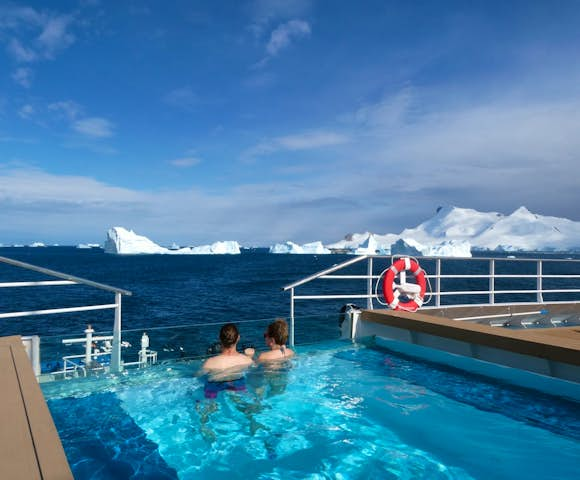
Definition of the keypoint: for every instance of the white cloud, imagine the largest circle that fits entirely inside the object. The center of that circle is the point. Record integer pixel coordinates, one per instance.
(34, 35)
(23, 76)
(182, 98)
(265, 12)
(67, 108)
(54, 36)
(94, 127)
(185, 162)
(283, 35)
(301, 141)
(26, 111)
(20, 52)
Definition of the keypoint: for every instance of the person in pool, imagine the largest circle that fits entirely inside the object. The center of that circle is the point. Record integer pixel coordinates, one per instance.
(276, 336)
(226, 370)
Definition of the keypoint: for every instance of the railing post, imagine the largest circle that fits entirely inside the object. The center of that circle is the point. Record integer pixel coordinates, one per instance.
(116, 353)
(492, 281)
(89, 345)
(438, 282)
(370, 283)
(539, 287)
(291, 317)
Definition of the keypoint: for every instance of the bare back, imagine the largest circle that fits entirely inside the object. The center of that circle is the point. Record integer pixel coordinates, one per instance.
(225, 367)
(277, 354)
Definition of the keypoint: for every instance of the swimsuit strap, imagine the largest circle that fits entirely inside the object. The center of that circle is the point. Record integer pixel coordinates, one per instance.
(283, 350)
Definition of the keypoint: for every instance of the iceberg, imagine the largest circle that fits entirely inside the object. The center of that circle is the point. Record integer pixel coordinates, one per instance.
(364, 244)
(315, 248)
(126, 242)
(455, 231)
(88, 245)
(37, 244)
(217, 248)
(293, 248)
(407, 246)
(286, 247)
(448, 248)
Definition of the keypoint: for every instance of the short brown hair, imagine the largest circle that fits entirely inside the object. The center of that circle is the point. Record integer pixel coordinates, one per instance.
(229, 335)
(278, 330)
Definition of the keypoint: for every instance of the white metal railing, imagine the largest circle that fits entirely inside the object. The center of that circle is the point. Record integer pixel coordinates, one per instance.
(434, 279)
(66, 279)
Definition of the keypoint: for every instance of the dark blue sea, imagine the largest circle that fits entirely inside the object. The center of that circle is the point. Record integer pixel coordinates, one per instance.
(185, 291)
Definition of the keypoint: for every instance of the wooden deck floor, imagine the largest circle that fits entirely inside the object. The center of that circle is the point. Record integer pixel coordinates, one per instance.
(30, 447)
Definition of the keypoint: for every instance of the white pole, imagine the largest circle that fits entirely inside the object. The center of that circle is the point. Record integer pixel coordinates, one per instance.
(540, 296)
(492, 281)
(116, 353)
(88, 345)
(292, 317)
(370, 283)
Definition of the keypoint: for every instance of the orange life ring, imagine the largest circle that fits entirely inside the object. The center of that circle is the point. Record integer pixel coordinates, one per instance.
(392, 296)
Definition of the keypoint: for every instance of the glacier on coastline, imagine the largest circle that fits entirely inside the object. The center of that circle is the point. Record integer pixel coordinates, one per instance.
(293, 248)
(126, 242)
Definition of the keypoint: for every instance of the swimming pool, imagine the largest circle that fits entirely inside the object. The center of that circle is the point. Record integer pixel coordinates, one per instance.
(338, 411)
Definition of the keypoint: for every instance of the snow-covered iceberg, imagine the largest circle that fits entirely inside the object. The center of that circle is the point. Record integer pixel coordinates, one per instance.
(126, 242)
(448, 248)
(364, 243)
(293, 248)
(88, 245)
(217, 248)
(454, 231)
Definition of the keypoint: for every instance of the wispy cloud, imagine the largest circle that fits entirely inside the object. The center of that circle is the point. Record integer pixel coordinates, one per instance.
(55, 35)
(185, 162)
(23, 76)
(281, 38)
(34, 35)
(95, 127)
(26, 111)
(73, 114)
(283, 35)
(68, 109)
(183, 98)
(266, 12)
(301, 141)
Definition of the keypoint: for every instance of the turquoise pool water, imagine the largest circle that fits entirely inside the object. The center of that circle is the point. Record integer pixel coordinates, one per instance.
(338, 411)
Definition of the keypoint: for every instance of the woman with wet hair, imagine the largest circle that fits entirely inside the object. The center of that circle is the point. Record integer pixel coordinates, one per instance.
(276, 336)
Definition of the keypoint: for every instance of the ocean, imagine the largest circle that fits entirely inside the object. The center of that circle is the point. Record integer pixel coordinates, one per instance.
(187, 291)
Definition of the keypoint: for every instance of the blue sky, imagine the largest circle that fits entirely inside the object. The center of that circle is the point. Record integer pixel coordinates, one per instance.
(265, 121)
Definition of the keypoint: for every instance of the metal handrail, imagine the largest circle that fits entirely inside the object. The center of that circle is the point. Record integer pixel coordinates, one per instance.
(64, 276)
(334, 268)
(437, 293)
(67, 279)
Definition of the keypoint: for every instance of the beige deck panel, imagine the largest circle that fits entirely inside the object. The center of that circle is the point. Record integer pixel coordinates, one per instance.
(557, 344)
(475, 310)
(30, 448)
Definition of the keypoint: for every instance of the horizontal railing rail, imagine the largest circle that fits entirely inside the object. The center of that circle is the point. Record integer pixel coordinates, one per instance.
(435, 278)
(66, 279)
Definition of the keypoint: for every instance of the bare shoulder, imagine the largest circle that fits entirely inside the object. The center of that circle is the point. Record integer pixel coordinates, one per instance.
(211, 363)
(275, 355)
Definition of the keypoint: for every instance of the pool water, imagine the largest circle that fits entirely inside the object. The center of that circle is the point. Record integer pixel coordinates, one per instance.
(338, 411)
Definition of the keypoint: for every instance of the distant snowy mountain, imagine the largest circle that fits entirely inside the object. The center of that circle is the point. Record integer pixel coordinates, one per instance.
(454, 231)
(126, 242)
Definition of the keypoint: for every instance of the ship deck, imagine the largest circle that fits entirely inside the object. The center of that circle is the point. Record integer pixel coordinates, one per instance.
(560, 344)
(30, 447)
